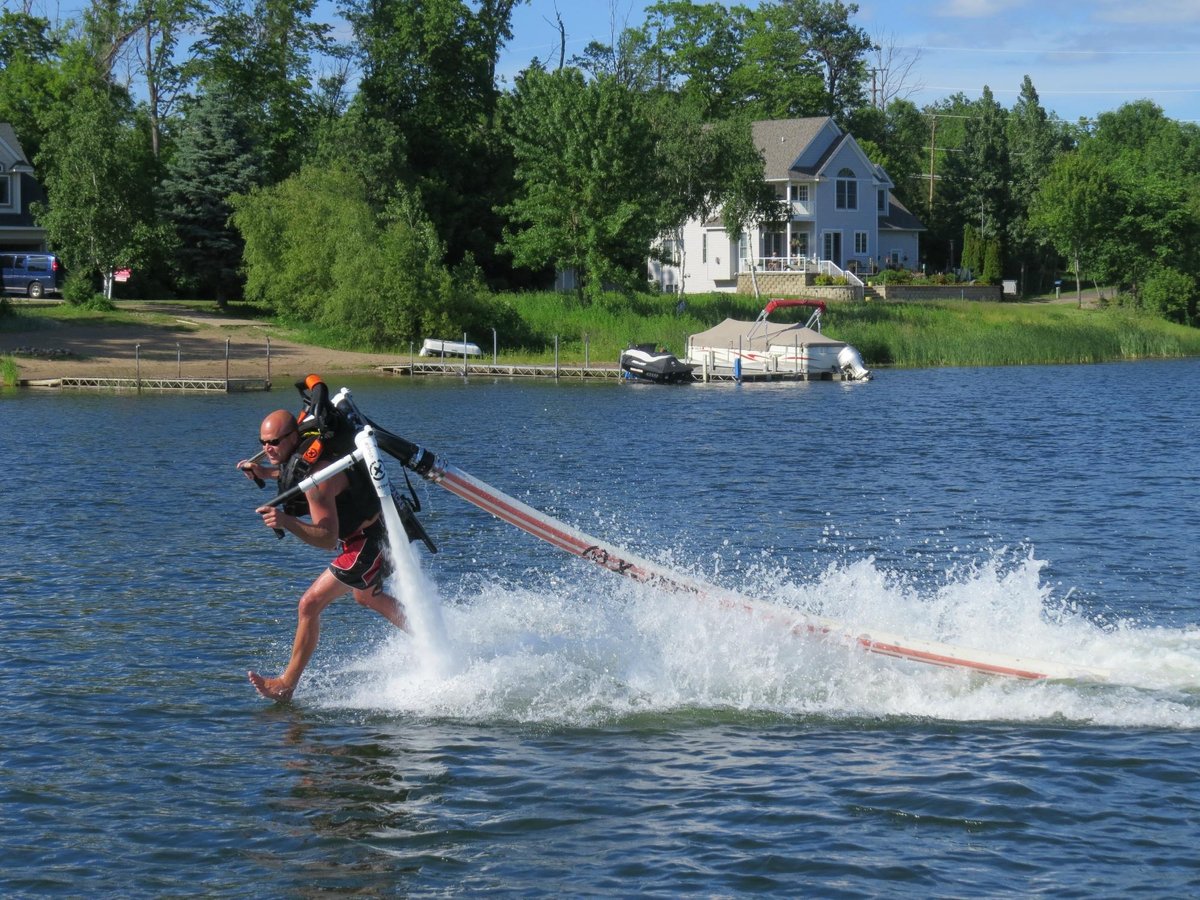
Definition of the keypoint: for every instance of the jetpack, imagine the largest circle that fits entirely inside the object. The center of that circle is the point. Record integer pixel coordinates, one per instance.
(353, 429)
(338, 433)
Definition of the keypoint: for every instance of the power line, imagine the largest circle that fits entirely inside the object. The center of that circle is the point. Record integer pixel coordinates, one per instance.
(1048, 51)
(1136, 90)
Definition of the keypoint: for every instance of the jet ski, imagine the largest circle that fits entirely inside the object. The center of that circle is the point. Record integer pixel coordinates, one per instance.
(645, 362)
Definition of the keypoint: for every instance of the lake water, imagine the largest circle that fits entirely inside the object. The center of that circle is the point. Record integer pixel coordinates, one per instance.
(578, 734)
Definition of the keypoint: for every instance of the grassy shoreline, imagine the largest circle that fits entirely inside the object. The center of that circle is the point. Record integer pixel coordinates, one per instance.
(914, 334)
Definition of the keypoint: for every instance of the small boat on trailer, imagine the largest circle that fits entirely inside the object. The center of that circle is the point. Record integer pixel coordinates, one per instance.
(762, 346)
(645, 362)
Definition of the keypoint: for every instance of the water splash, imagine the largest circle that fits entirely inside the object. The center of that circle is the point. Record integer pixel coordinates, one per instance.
(590, 649)
(422, 606)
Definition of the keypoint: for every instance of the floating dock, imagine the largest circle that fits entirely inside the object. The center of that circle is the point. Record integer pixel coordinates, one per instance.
(205, 385)
(501, 370)
(490, 370)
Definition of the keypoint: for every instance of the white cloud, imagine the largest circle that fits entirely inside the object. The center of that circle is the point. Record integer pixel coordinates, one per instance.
(977, 9)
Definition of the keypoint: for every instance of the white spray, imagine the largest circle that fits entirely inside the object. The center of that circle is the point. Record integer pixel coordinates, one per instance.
(409, 583)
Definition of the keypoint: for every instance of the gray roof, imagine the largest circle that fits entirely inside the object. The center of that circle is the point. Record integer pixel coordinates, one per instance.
(10, 137)
(782, 141)
(899, 218)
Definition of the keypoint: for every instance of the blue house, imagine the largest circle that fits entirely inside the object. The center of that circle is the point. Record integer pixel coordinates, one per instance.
(18, 188)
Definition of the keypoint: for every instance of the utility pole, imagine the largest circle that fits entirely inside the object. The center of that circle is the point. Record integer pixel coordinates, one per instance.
(932, 158)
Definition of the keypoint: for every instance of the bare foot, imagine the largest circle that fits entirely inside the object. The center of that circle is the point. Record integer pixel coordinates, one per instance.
(271, 688)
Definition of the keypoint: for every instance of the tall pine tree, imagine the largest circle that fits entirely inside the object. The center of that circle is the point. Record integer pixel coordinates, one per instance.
(214, 160)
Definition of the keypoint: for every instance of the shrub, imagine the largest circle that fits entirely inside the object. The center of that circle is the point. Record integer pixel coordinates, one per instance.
(1171, 294)
(79, 288)
(991, 262)
(893, 276)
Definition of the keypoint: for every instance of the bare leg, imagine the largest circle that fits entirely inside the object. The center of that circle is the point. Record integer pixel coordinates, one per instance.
(323, 591)
(383, 603)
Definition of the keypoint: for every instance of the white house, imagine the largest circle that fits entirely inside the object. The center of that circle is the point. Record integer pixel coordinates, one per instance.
(842, 216)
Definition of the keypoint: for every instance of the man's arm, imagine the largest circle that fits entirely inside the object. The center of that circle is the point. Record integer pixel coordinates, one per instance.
(321, 530)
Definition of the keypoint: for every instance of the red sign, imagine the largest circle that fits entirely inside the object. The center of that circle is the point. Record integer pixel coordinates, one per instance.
(122, 274)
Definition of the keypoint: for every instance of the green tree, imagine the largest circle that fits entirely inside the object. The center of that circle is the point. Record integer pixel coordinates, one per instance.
(1171, 294)
(976, 179)
(428, 91)
(1153, 216)
(99, 176)
(693, 50)
(806, 50)
(896, 138)
(1070, 210)
(294, 232)
(316, 252)
(260, 54)
(164, 24)
(776, 77)
(213, 161)
(992, 271)
(946, 180)
(1034, 140)
(29, 75)
(972, 250)
(588, 190)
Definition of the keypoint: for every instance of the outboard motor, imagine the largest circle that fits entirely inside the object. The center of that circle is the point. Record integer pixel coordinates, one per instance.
(850, 361)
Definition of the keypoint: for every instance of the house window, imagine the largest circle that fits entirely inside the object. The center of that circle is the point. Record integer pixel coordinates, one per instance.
(883, 201)
(704, 248)
(4, 192)
(860, 243)
(799, 193)
(847, 190)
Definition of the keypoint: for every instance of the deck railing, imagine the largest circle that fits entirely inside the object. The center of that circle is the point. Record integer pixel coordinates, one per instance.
(798, 264)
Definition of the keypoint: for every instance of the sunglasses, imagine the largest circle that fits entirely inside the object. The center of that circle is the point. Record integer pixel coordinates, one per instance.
(275, 442)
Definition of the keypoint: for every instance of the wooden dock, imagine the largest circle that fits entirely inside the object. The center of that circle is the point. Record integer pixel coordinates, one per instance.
(501, 370)
(421, 367)
(182, 385)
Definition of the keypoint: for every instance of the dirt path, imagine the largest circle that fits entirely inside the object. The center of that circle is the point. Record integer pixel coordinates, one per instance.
(192, 344)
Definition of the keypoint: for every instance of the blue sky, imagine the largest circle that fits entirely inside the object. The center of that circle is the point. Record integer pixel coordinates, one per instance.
(1084, 56)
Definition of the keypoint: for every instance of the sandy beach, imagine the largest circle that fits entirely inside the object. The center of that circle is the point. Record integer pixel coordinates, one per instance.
(192, 344)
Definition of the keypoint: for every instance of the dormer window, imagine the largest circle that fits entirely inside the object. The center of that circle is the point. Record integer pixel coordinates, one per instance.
(847, 190)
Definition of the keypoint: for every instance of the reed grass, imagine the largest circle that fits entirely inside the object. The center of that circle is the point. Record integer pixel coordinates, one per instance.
(9, 374)
(912, 334)
(970, 333)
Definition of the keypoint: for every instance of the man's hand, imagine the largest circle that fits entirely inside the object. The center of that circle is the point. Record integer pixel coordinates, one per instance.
(251, 471)
(273, 517)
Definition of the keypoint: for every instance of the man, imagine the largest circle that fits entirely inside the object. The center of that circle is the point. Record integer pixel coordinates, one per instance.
(343, 513)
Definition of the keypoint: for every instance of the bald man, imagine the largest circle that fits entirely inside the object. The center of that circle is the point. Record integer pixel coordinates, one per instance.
(342, 513)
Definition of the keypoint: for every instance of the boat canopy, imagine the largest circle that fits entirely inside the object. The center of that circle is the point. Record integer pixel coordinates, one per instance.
(734, 333)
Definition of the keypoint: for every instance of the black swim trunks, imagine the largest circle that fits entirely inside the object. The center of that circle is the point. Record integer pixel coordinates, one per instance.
(362, 562)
